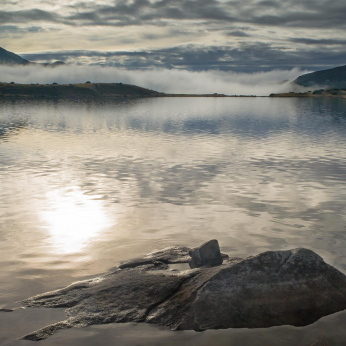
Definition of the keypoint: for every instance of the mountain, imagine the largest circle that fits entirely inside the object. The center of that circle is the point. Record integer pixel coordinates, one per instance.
(86, 91)
(334, 78)
(10, 58)
(56, 64)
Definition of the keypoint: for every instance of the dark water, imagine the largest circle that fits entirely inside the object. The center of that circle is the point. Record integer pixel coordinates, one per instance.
(85, 186)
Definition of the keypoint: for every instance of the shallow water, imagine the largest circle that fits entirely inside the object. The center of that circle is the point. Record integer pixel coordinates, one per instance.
(84, 186)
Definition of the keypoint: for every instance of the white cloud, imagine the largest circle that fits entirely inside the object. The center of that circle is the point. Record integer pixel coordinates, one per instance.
(169, 81)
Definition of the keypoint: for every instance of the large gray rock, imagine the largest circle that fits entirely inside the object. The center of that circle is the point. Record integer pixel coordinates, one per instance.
(273, 288)
(293, 287)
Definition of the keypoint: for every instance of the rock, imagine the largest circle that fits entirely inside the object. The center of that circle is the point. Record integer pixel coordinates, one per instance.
(126, 295)
(6, 310)
(170, 255)
(293, 287)
(206, 254)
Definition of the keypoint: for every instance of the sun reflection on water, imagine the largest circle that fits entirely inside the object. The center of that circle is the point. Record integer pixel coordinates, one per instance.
(74, 219)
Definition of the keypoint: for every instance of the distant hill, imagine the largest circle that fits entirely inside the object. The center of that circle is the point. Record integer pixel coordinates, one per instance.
(84, 91)
(9, 58)
(74, 91)
(331, 93)
(55, 64)
(334, 78)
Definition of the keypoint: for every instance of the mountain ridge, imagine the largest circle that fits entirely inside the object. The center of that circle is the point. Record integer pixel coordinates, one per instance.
(9, 58)
(13, 59)
(334, 78)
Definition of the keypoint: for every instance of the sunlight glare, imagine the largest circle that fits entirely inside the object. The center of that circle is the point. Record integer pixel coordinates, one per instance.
(74, 219)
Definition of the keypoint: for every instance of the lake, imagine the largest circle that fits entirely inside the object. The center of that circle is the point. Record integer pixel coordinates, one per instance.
(84, 186)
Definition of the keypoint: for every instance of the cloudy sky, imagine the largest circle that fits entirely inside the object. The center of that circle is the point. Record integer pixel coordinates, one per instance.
(243, 36)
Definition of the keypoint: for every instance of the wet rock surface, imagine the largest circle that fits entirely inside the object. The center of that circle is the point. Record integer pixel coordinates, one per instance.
(293, 287)
(174, 254)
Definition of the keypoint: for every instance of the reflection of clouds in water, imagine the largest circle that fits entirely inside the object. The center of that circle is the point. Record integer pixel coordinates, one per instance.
(256, 174)
(73, 219)
(249, 118)
(158, 181)
(269, 202)
(264, 185)
(261, 171)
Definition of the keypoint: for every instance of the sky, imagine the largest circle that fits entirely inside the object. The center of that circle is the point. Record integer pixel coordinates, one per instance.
(245, 36)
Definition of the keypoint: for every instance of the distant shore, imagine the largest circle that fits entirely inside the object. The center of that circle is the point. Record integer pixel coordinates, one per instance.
(333, 93)
(87, 91)
(120, 91)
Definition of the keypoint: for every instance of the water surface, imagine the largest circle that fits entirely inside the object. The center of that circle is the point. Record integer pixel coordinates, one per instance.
(84, 186)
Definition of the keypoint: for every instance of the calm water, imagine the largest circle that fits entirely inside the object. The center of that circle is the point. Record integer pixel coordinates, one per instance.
(85, 186)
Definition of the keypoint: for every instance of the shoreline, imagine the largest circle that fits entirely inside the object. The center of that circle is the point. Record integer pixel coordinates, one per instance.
(120, 91)
(330, 93)
(82, 91)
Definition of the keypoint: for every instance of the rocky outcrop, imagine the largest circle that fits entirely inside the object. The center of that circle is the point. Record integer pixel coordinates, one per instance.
(174, 254)
(293, 287)
(208, 254)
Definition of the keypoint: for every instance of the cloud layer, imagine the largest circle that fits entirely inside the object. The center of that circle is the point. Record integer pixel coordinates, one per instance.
(242, 35)
(164, 80)
(243, 58)
(291, 13)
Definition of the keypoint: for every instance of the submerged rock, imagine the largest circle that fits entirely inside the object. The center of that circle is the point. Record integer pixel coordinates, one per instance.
(293, 287)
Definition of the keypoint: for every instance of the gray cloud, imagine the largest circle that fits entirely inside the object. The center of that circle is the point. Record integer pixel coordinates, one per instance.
(32, 15)
(9, 29)
(15, 31)
(311, 41)
(247, 57)
(156, 27)
(317, 13)
(237, 33)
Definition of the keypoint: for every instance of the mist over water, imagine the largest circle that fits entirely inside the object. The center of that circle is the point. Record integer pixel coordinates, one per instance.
(163, 80)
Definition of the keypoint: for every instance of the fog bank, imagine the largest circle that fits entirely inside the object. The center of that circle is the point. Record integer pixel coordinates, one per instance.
(163, 80)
